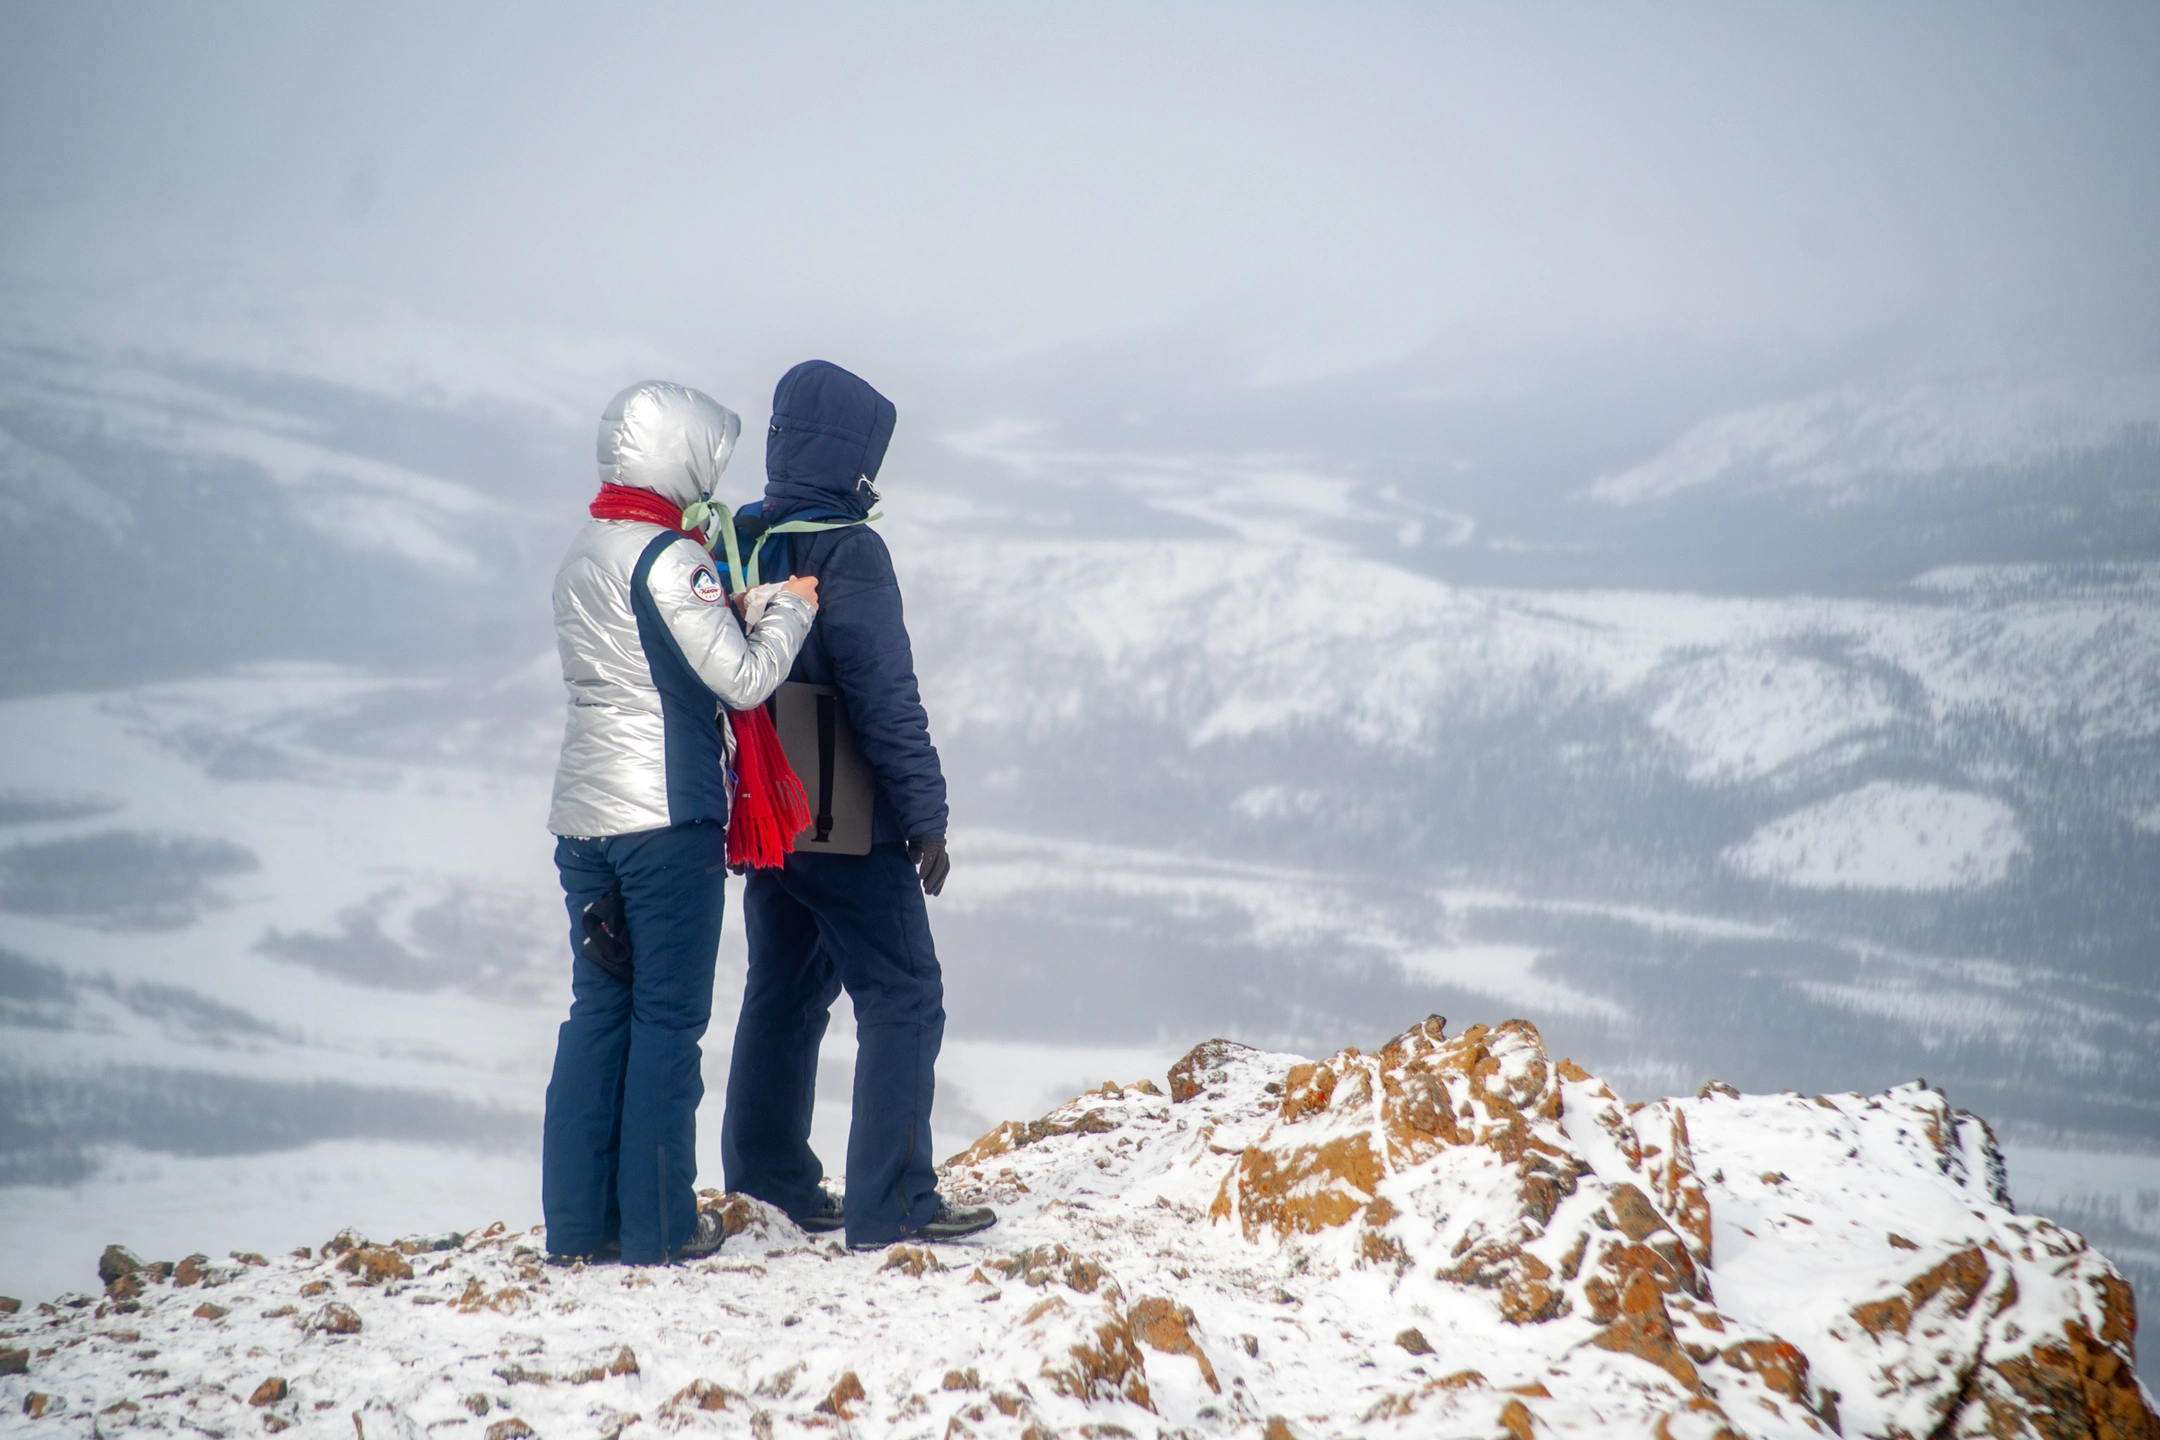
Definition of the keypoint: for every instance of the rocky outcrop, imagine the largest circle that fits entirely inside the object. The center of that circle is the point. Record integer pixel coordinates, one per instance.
(1448, 1235)
(1480, 1162)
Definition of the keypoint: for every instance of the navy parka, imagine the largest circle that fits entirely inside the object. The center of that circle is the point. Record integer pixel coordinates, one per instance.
(828, 438)
(823, 923)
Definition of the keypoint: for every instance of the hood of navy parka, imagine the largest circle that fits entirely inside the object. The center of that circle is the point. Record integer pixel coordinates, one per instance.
(828, 438)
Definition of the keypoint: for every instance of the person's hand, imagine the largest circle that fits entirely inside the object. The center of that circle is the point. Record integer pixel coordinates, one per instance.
(804, 586)
(931, 862)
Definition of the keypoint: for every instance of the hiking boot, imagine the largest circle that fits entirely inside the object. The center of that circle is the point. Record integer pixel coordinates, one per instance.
(952, 1222)
(829, 1214)
(707, 1238)
(607, 1254)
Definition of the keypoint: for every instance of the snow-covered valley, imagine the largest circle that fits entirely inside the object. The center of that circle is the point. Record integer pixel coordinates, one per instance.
(281, 941)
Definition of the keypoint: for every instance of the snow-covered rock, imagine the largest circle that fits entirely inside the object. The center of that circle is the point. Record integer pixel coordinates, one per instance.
(1449, 1236)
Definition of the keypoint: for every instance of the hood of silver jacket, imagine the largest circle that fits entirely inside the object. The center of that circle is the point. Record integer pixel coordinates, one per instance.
(669, 439)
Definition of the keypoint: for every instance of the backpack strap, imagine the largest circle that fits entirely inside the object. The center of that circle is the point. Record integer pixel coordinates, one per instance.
(744, 576)
(801, 527)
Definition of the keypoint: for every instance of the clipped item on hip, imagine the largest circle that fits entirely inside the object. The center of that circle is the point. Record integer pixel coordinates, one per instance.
(606, 935)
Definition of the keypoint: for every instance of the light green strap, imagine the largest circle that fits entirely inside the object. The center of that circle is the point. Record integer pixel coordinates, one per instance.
(697, 514)
(792, 527)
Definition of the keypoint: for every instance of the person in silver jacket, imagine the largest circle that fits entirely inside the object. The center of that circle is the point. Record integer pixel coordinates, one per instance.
(652, 655)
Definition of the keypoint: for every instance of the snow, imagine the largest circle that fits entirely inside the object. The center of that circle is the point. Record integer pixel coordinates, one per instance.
(1505, 973)
(1745, 714)
(2115, 1193)
(1225, 640)
(1887, 836)
(169, 1205)
(1268, 907)
(352, 500)
(443, 860)
(1118, 1295)
(1839, 442)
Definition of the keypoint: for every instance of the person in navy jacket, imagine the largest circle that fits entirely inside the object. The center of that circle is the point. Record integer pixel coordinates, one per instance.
(825, 922)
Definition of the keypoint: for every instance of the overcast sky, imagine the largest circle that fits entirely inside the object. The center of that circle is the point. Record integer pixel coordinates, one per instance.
(1311, 189)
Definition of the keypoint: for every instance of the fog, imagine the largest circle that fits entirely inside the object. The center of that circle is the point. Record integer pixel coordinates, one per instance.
(1647, 520)
(1305, 193)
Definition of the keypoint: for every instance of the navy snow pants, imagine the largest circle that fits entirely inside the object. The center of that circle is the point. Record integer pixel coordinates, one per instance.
(818, 924)
(619, 1153)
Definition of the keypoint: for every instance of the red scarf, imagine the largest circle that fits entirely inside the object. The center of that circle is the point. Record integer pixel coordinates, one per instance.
(770, 808)
(627, 502)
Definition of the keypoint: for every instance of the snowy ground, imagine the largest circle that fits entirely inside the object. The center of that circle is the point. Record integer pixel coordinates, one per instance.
(1148, 1276)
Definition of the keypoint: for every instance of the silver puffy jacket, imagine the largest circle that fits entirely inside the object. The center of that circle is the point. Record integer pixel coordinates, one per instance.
(615, 777)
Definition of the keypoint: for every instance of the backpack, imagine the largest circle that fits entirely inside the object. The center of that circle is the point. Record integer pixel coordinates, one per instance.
(810, 721)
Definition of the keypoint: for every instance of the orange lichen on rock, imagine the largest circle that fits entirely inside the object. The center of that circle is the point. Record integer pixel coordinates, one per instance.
(1524, 1284)
(697, 1395)
(1047, 1264)
(1781, 1365)
(1346, 1123)
(1956, 1351)
(375, 1264)
(1679, 1190)
(1652, 1244)
(738, 1213)
(913, 1260)
(1308, 1189)
(1202, 1067)
(1106, 1367)
(1390, 1407)
(1697, 1411)
(2080, 1375)
(1010, 1135)
(476, 1297)
(1167, 1326)
(1643, 1328)
(1651, 1141)
(2075, 1380)
(846, 1393)
(1956, 1282)
(1342, 1151)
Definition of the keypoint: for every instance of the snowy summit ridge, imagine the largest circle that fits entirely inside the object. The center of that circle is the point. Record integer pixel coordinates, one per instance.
(1449, 1236)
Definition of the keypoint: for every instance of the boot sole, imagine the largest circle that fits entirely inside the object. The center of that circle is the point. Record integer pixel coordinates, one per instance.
(951, 1232)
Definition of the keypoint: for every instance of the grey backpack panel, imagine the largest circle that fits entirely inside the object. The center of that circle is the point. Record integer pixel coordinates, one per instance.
(813, 726)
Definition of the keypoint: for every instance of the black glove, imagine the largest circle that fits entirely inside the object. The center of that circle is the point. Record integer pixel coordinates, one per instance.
(930, 861)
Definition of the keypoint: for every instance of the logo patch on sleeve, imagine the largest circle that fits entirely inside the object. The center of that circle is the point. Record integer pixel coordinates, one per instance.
(706, 585)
